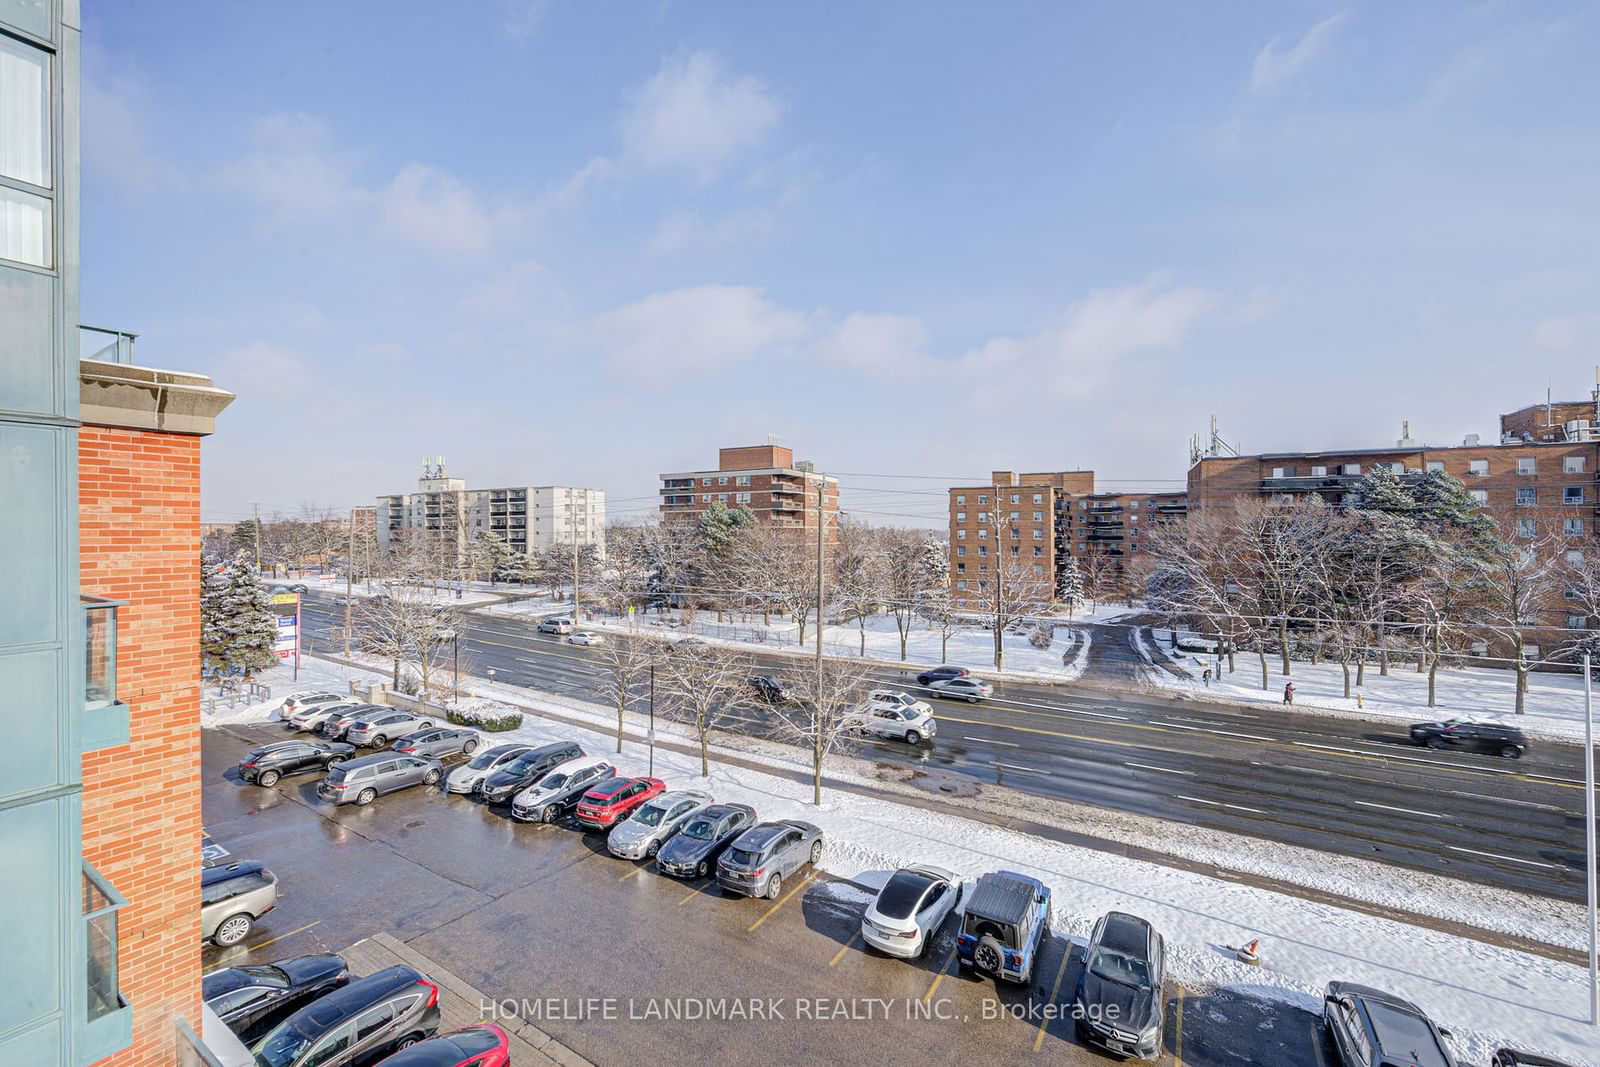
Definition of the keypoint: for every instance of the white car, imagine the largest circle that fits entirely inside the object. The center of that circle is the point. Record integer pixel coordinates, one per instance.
(312, 716)
(905, 917)
(586, 637)
(899, 716)
(296, 701)
(968, 689)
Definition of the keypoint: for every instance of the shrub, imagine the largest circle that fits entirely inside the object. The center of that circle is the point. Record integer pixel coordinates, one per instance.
(493, 719)
(1042, 636)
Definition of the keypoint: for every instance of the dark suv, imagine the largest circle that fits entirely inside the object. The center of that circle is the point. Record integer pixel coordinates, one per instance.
(1371, 1028)
(361, 1023)
(941, 674)
(265, 765)
(1490, 737)
(525, 770)
(1118, 1003)
(1006, 922)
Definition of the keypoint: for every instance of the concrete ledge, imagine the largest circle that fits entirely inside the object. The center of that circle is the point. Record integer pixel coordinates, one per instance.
(143, 398)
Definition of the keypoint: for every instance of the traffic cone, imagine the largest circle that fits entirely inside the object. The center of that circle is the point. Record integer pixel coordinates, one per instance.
(1249, 953)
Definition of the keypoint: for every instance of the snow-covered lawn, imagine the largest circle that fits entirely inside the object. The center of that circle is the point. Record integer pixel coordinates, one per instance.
(1554, 702)
(472, 593)
(1487, 995)
(316, 675)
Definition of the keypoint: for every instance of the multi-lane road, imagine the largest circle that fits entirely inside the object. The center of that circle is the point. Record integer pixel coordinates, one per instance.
(1334, 784)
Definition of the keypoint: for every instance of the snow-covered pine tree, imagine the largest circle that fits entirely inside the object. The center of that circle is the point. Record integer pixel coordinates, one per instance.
(1069, 584)
(248, 627)
(213, 637)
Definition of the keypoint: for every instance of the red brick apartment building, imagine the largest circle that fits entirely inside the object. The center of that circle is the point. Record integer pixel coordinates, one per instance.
(1035, 522)
(139, 522)
(764, 478)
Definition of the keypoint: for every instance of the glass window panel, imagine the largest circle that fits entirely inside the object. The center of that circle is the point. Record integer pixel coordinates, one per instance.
(24, 227)
(24, 112)
(27, 311)
(32, 16)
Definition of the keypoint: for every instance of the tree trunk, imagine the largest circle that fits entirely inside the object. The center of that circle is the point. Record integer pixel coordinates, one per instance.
(1522, 674)
(1344, 664)
(622, 700)
(705, 757)
(1433, 670)
(1266, 677)
(816, 774)
(1361, 668)
(1283, 641)
(944, 647)
(862, 619)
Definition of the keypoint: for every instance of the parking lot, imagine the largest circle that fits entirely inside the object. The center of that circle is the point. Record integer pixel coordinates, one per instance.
(619, 962)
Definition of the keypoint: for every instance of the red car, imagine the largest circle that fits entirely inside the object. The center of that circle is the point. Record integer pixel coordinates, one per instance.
(471, 1046)
(613, 799)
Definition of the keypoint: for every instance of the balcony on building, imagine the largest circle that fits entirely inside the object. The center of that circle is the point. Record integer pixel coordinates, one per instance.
(109, 1026)
(105, 718)
(105, 345)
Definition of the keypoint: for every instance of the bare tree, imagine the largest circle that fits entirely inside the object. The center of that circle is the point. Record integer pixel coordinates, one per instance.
(1010, 593)
(915, 567)
(826, 712)
(1441, 597)
(779, 568)
(1198, 577)
(701, 682)
(409, 624)
(625, 665)
(1518, 575)
(1098, 574)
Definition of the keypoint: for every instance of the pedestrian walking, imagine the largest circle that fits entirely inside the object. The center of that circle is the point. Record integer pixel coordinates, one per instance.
(1288, 693)
(1205, 676)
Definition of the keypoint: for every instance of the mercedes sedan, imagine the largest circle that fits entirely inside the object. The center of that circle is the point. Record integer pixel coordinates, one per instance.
(264, 766)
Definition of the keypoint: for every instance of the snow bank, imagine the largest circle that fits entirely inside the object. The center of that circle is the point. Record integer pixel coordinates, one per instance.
(316, 675)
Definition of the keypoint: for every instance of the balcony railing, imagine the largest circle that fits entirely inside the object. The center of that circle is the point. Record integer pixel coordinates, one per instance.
(99, 652)
(106, 345)
(108, 1021)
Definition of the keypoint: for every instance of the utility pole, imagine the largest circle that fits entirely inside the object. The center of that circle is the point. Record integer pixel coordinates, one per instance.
(349, 568)
(258, 538)
(1589, 842)
(651, 736)
(816, 702)
(572, 516)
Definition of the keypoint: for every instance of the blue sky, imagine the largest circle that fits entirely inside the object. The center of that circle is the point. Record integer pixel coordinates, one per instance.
(588, 243)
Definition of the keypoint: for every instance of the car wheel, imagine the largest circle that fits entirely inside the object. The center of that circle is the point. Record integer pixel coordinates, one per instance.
(407, 1041)
(701, 869)
(650, 853)
(816, 851)
(912, 737)
(268, 779)
(774, 886)
(1511, 752)
(366, 796)
(378, 740)
(334, 761)
(1435, 743)
(426, 725)
(972, 700)
(431, 776)
(467, 749)
(549, 814)
(233, 929)
(987, 956)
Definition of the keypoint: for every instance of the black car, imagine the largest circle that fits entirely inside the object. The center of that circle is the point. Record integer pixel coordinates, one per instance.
(1506, 1057)
(1371, 1028)
(941, 674)
(252, 1000)
(265, 765)
(693, 851)
(526, 769)
(1491, 737)
(772, 689)
(1118, 1003)
(361, 1023)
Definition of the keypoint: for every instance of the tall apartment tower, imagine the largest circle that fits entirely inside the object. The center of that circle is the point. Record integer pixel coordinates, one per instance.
(528, 518)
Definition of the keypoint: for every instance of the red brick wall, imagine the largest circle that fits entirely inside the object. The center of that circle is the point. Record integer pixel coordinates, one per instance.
(139, 514)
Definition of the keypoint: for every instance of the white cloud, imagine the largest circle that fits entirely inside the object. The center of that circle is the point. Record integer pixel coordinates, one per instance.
(1277, 62)
(692, 331)
(429, 207)
(875, 343)
(691, 117)
(686, 229)
(294, 167)
(260, 368)
(115, 143)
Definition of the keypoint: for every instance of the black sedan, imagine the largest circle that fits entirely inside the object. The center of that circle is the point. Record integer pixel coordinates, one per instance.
(941, 674)
(265, 765)
(1494, 738)
(252, 1000)
(772, 689)
(438, 742)
(1118, 1000)
(692, 852)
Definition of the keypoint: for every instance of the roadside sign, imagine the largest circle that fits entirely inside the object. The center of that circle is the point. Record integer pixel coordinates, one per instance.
(286, 607)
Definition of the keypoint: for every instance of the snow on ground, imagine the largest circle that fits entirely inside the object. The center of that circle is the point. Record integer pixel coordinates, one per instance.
(472, 593)
(1554, 702)
(1487, 995)
(316, 675)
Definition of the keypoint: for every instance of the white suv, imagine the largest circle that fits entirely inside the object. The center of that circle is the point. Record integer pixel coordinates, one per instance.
(889, 713)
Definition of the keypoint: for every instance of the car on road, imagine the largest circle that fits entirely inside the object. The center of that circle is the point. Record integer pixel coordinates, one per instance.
(438, 742)
(693, 851)
(1371, 1028)
(758, 861)
(483, 1045)
(771, 688)
(613, 799)
(307, 697)
(971, 690)
(335, 725)
(376, 729)
(1004, 924)
(899, 716)
(908, 911)
(941, 674)
(586, 637)
(518, 774)
(232, 897)
(1118, 1003)
(312, 716)
(265, 765)
(253, 999)
(641, 835)
(361, 781)
(370, 1017)
(1495, 738)
(465, 779)
(558, 792)
(559, 625)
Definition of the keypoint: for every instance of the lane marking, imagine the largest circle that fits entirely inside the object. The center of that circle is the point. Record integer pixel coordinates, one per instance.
(1219, 804)
(1404, 811)
(780, 902)
(837, 956)
(943, 967)
(1504, 800)
(1498, 856)
(1014, 767)
(1055, 987)
(986, 741)
(243, 950)
(1153, 767)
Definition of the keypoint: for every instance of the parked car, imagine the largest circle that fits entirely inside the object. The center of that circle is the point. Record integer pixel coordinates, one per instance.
(309, 719)
(1004, 923)
(771, 688)
(1371, 1028)
(909, 910)
(693, 851)
(518, 774)
(940, 674)
(265, 765)
(586, 637)
(254, 999)
(1118, 1004)
(1506, 1057)
(376, 728)
(307, 697)
(641, 835)
(361, 781)
(614, 799)
(335, 725)
(484, 1045)
(438, 742)
(971, 690)
(232, 897)
(559, 791)
(381, 1013)
(899, 716)
(465, 779)
(763, 856)
(560, 625)
(1494, 738)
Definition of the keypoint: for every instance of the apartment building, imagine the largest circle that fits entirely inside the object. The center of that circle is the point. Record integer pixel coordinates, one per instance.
(528, 518)
(1106, 532)
(764, 478)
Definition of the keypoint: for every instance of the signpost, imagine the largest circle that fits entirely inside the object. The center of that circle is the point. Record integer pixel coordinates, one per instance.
(286, 607)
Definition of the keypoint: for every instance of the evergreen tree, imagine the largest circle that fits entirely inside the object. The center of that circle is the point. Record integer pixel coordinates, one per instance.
(721, 525)
(244, 537)
(1069, 583)
(1434, 502)
(213, 640)
(241, 630)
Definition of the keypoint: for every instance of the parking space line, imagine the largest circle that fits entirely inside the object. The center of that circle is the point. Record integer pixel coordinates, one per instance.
(938, 978)
(696, 891)
(837, 956)
(630, 874)
(780, 902)
(1177, 1040)
(1055, 987)
(243, 949)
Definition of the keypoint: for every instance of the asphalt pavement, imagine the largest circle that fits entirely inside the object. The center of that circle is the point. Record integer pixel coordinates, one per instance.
(1348, 786)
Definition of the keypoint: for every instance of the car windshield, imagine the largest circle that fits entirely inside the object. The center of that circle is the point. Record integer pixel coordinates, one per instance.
(524, 764)
(899, 897)
(268, 976)
(554, 781)
(650, 815)
(281, 1047)
(1120, 968)
(743, 857)
(699, 830)
(484, 760)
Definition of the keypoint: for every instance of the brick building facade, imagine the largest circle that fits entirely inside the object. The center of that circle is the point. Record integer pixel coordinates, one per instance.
(764, 478)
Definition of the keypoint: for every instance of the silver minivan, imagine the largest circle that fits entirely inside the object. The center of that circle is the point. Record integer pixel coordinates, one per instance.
(361, 781)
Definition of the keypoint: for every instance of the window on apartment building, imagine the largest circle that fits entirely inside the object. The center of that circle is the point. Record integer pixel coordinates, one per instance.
(1572, 591)
(705, 481)
(1525, 498)
(1038, 568)
(961, 498)
(743, 479)
(983, 550)
(1282, 472)
(1134, 504)
(1351, 468)
(705, 498)
(961, 568)
(1082, 504)
(1478, 468)
(961, 535)
(1572, 494)
(1574, 557)
(983, 516)
(723, 497)
(961, 516)
(1037, 550)
(1395, 467)
(1080, 546)
(743, 498)
(983, 498)
(1016, 516)
(1038, 498)
(722, 479)
(1319, 472)
(1572, 464)
(961, 550)
(25, 154)
(1016, 550)
(1134, 547)
(1038, 516)
(1015, 533)
(1527, 465)
(1479, 496)
(1133, 518)
(1572, 527)
(961, 584)
(1016, 498)
(1434, 466)
(1577, 622)
(1527, 528)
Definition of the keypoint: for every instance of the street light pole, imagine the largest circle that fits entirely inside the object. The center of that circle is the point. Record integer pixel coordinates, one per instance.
(455, 656)
(652, 737)
(1588, 836)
